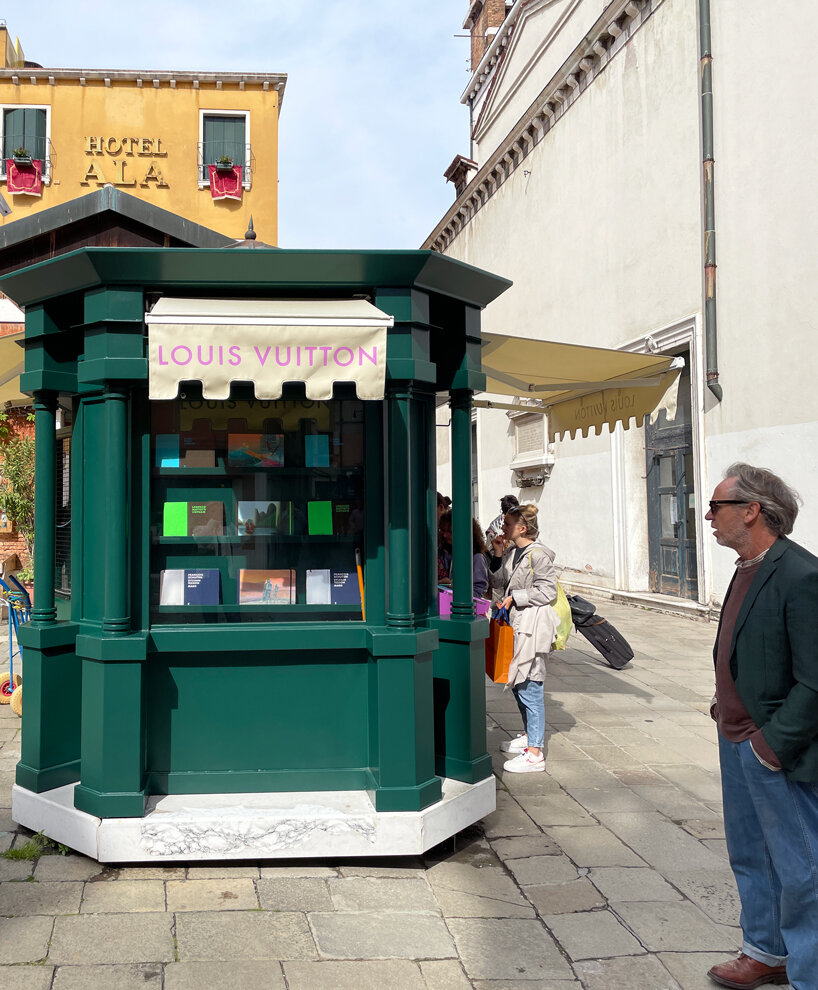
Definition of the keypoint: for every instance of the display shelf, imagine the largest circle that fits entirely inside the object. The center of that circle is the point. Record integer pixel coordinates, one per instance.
(257, 609)
(269, 539)
(222, 469)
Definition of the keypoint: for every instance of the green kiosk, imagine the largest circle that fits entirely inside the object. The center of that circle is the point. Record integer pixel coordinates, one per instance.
(250, 661)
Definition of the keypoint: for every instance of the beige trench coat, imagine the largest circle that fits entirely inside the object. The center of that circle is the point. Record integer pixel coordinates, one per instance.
(532, 583)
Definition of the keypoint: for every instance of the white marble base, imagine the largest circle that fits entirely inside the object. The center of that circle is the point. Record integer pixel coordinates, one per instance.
(254, 826)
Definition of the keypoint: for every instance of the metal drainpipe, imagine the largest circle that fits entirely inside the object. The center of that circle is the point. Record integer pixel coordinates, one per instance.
(710, 324)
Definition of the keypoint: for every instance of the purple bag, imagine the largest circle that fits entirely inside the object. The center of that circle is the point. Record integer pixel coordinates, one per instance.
(482, 606)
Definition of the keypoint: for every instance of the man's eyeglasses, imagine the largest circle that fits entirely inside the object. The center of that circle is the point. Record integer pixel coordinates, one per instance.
(716, 504)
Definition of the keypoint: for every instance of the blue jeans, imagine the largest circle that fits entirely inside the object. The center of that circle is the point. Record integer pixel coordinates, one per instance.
(531, 702)
(771, 824)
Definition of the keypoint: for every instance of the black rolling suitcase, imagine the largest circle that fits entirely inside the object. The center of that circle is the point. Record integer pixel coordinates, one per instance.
(600, 633)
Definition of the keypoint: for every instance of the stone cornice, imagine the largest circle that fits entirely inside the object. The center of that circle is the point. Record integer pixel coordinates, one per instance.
(611, 32)
(50, 77)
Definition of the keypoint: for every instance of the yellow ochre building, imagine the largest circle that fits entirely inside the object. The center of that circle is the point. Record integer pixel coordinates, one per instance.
(203, 145)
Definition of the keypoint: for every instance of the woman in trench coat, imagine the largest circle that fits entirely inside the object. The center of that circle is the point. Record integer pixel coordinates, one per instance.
(526, 580)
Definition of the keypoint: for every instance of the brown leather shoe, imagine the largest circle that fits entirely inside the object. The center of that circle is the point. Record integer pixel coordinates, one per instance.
(745, 973)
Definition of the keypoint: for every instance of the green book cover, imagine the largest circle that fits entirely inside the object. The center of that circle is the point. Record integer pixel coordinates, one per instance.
(319, 518)
(174, 521)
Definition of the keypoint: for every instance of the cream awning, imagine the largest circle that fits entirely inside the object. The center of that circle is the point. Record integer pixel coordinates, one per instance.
(267, 342)
(579, 387)
(12, 365)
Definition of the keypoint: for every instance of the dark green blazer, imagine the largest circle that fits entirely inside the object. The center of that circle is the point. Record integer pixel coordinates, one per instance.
(774, 656)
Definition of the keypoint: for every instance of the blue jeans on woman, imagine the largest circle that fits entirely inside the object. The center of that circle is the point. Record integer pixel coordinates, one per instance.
(771, 825)
(531, 702)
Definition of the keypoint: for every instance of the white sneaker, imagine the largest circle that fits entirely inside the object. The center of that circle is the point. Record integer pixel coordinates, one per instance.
(515, 745)
(525, 762)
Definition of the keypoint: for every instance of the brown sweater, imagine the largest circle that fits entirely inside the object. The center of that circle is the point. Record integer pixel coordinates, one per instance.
(733, 719)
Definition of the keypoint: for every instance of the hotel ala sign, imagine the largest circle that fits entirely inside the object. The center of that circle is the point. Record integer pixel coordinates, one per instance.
(121, 163)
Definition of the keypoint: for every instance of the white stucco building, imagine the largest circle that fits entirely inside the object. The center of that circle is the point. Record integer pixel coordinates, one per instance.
(591, 185)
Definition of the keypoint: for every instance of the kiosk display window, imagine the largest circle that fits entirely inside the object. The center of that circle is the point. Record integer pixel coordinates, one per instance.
(257, 509)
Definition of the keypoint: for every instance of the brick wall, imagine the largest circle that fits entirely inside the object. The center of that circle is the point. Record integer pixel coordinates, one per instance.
(492, 15)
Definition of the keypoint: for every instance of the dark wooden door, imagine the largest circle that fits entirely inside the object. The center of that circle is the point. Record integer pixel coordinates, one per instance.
(671, 513)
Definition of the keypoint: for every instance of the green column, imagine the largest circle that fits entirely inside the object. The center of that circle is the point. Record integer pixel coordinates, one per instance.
(399, 478)
(116, 617)
(462, 572)
(113, 734)
(45, 408)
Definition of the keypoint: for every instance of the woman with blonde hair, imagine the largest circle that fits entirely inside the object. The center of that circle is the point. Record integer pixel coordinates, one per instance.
(524, 573)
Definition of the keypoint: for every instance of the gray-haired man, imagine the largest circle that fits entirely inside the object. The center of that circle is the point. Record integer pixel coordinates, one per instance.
(766, 707)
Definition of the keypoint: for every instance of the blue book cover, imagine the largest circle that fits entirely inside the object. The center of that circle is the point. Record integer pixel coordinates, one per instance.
(344, 588)
(167, 450)
(316, 450)
(202, 587)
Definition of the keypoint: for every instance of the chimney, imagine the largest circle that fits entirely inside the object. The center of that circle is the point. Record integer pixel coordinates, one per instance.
(483, 19)
(458, 173)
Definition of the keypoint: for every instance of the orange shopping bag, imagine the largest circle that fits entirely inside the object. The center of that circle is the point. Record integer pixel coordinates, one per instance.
(499, 648)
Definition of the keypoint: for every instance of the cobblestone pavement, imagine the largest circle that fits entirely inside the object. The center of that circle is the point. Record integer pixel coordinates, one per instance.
(608, 872)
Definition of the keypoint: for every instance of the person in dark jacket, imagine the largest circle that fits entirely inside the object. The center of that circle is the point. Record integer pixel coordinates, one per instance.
(766, 709)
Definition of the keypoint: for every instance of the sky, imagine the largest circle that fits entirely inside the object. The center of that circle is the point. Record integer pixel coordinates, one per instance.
(371, 116)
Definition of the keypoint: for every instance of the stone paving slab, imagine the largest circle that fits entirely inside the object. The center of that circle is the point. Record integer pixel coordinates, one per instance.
(661, 843)
(224, 976)
(594, 846)
(242, 935)
(714, 891)
(444, 974)
(500, 949)
(25, 940)
(22, 899)
(642, 973)
(26, 977)
(294, 894)
(398, 974)
(223, 871)
(623, 883)
(592, 936)
(525, 985)
(565, 898)
(140, 977)
(211, 895)
(66, 868)
(524, 846)
(111, 938)
(299, 869)
(120, 896)
(543, 869)
(383, 894)
(674, 926)
(15, 869)
(381, 936)
(509, 819)
(151, 873)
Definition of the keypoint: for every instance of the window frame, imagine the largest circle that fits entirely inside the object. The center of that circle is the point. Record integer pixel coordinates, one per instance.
(203, 177)
(46, 176)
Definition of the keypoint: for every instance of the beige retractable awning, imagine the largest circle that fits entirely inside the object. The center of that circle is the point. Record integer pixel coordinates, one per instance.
(580, 387)
(267, 342)
(12, 365)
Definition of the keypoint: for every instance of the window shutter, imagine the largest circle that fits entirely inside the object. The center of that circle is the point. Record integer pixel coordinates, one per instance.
(24, 127)
(223, 136)
(35, 136)
(13, 130)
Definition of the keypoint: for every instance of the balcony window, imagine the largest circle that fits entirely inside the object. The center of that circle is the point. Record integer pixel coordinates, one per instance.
(26, 127)
(224, 135)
